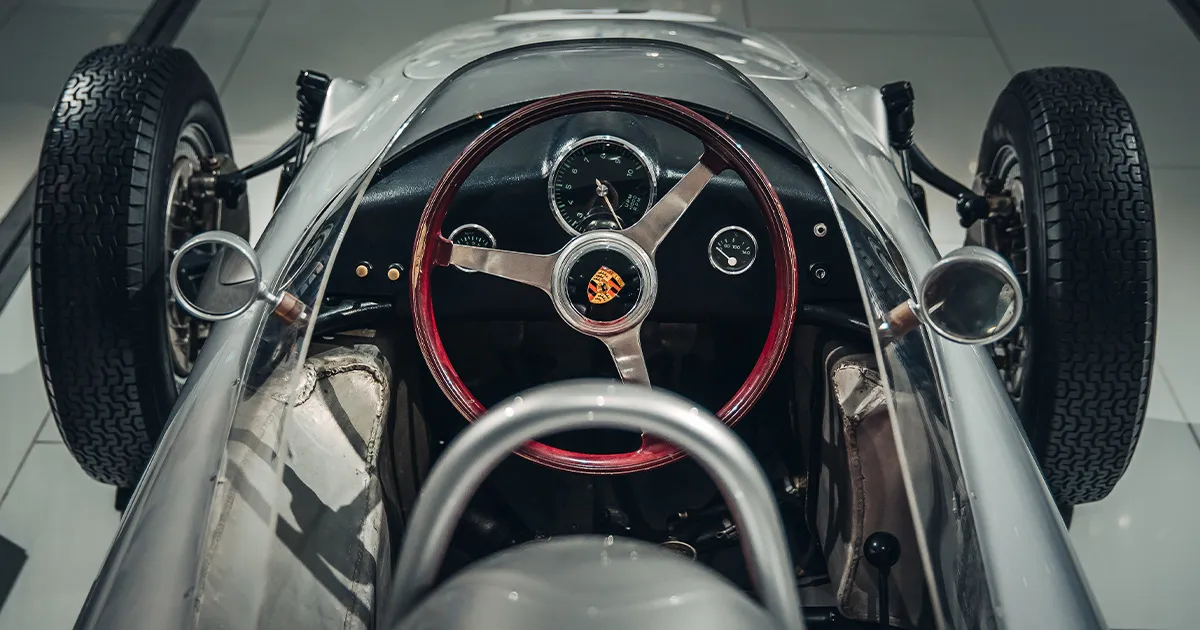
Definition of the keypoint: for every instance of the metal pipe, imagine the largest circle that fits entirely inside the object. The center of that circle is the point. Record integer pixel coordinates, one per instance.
(276, 159)
(595, 405)
(922, 167)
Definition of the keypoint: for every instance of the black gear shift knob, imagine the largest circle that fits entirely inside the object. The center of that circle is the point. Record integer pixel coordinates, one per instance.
(882, 550)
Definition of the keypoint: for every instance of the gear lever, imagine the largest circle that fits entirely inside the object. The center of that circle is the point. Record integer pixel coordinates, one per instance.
(882, 550)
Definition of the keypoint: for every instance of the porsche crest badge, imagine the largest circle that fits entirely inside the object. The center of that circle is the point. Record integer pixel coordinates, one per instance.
(604, 286)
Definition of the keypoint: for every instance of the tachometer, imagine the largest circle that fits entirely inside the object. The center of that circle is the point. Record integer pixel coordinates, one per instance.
(600, 181)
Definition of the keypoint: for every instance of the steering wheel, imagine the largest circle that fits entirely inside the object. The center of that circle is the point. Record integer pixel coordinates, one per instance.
(592, 253)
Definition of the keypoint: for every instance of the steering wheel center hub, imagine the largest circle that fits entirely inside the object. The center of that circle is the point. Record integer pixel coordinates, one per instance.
(604, 283)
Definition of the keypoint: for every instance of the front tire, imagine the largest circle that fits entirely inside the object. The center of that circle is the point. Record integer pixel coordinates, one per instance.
(101, 241)
(1064, 144)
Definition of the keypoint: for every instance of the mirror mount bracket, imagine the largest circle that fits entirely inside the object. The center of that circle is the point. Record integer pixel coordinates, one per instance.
(288, 307)
(900, 320)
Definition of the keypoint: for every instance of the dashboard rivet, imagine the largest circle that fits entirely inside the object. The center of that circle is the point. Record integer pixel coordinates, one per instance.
(362, 269)
(819, 273)
(394, 272)
(820, 230)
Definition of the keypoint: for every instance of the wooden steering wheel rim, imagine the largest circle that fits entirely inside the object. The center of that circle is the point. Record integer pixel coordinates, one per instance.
(721, 151)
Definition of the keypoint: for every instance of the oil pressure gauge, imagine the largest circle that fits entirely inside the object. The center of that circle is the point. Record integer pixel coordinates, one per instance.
(732, 250)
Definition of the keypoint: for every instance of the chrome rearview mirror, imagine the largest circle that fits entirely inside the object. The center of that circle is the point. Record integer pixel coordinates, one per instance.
(216, 276)
(970, 296)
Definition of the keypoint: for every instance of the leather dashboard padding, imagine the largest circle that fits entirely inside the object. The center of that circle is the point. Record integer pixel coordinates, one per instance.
(861, 491)
(329, 551)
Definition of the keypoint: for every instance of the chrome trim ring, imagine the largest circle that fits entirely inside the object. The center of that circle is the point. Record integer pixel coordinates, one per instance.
(217, 237)
(971, 254)
(718, 233)
(486, 232)
(586, 244)
(650, 166)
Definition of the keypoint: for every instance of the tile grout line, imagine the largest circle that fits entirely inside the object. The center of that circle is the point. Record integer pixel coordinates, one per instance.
(237, 60)
(1162, 374)
(17, 473)
(1173, 167)
(51, 8)
(5, 16)
(987, 25)
(915, 32)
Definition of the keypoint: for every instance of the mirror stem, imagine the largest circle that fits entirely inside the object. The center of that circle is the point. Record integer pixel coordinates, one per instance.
(899, 321)
(288, 307)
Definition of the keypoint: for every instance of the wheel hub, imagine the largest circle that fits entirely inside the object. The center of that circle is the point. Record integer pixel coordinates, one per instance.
(185, 218)
(1007, 234)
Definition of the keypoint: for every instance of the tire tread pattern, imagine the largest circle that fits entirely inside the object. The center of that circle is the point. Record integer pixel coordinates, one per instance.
(1095, 332)
(93, 291)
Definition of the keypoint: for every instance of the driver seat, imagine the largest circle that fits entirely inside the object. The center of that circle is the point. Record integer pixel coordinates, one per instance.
(593, 582)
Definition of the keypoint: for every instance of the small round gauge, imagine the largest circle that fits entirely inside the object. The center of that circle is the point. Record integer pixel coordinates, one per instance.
(472, 235)
(732, 250)
(600, 181)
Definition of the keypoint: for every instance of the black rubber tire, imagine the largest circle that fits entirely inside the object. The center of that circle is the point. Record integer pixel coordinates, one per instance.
(99, 289)
(1092, 285)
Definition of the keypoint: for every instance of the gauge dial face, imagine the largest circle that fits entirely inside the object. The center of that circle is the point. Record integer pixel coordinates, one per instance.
(472, 235)
(732, 250)
(601, 182)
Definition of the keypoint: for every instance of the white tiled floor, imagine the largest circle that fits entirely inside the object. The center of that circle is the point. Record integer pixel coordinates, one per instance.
(953, 17)
(729, 11)
(29, 87)
(1136, 546)
(22, 396)
(54, 511)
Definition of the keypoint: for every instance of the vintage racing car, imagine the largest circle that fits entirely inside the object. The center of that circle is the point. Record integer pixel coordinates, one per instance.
(822, 422)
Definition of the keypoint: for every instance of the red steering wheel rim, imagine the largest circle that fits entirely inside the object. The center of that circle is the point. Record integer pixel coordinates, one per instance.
(721, 151)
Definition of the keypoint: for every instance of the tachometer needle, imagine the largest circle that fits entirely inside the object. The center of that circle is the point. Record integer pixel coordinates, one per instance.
(729, 260)
(602, 192)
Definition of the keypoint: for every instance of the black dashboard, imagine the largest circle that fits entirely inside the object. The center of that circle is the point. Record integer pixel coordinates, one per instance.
(516, 198)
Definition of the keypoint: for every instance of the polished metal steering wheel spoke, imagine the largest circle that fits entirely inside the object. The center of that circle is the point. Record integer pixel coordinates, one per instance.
(626, 350)
(658, 221)
(535, 270)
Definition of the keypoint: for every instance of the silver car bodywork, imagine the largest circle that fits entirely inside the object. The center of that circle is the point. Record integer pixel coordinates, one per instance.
(996, 554)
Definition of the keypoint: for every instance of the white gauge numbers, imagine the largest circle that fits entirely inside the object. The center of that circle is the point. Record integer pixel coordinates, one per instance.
(732, 250)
